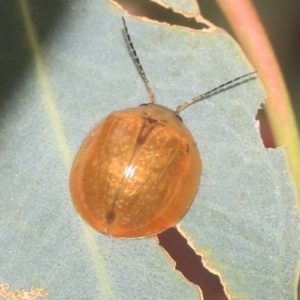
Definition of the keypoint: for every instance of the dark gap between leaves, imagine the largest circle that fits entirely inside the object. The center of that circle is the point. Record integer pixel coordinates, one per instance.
(265, 129)
(157, 12)
(190, 265)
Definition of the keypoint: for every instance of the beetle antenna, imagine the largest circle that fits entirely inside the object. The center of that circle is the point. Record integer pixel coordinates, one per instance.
(134, 54)
(214, 90)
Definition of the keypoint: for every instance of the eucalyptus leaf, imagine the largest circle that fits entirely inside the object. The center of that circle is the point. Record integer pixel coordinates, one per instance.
(244, 220)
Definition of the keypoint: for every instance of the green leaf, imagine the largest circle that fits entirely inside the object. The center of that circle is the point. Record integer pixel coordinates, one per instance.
(244, 220)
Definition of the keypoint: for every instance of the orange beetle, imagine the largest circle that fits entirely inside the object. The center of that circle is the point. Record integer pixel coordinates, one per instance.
(138, 171)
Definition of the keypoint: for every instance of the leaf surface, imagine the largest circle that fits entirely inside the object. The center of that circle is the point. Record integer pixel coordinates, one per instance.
(244, 219)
